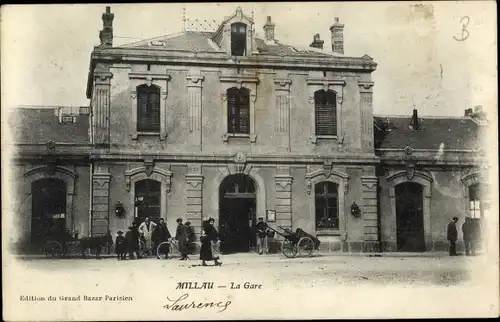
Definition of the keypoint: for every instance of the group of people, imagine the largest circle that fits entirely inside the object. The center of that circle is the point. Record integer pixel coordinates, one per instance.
(152, 235)
(470, 232)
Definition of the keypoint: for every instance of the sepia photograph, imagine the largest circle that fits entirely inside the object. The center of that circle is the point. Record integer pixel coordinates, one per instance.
(267, 160)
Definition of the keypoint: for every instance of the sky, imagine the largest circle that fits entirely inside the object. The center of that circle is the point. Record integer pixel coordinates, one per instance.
(45, 49)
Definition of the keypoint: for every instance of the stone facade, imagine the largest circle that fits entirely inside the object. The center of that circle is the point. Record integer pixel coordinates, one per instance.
(193, 152)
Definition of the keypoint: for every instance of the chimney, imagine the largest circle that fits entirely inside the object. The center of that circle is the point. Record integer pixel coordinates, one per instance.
(106, 34)
(269, 30)
(414, 124)
(317, 42)
(469, 112)
(337, 31)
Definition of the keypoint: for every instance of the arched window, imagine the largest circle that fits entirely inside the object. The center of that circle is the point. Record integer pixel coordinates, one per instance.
(148, 108)
(238, 39)
(475, 210)
(238, 110)
(325, 109)
(148, 199)
(327, 201)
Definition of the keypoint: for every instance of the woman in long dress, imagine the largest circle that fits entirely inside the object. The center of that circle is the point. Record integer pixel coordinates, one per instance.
(208, 239)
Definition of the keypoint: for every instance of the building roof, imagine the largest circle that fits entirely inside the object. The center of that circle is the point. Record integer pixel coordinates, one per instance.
(202, 42)
(394, 132)
(40, 125)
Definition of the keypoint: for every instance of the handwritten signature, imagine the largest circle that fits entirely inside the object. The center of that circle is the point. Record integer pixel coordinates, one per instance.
(465, 32)
(176, 305)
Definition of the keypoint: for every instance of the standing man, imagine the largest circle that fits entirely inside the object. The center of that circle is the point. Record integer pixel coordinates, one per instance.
(191, 238)
(452, 235)
(146, 229)
(181, 235)
(161, 234)
(467, 236)
(262, 236)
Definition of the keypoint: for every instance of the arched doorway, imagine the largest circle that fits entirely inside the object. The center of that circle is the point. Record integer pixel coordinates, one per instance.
(148, 200)
(410, 217)
(237, 205)
(48, 209)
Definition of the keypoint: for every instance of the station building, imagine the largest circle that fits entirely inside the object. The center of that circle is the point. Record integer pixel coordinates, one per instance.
(227, 125)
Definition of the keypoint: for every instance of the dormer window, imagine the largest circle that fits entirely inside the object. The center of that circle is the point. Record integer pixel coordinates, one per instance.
(238, 39)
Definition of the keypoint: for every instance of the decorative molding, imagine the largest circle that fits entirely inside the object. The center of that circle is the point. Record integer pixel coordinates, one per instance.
(102, 78)
(51, 145)
(283, 84)
(239, 79)
(195, 80)
(149, 166)
(471, 179)
(417, 176)
(136, 174)
(365, 86)
(55, 168)
(369, 182)
(332, 175)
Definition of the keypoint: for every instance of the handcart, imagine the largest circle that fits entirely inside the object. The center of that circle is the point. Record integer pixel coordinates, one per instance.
(299, 242)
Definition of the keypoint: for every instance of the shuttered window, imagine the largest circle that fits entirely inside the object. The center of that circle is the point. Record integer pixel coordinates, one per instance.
(325, 104)
(148, 108)
(238, 110)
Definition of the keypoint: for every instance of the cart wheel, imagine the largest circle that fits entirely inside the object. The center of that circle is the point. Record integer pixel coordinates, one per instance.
(164, 251)
(305, 246)
(289, 249)
(52, 249)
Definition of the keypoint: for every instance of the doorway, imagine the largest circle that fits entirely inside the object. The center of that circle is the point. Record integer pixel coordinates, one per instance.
(147, 200)
(48, 209)
(409, 217)
(237, 207)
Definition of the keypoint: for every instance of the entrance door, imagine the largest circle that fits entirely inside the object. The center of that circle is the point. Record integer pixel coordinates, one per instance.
(237, 204)
(148, 200)
(48, 209)
(409, 217)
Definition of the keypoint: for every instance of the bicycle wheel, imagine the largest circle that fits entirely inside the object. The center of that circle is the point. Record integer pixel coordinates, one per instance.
(163, 251)
(52, 249)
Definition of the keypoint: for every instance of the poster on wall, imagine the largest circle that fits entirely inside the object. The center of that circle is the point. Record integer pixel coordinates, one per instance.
(271, 215)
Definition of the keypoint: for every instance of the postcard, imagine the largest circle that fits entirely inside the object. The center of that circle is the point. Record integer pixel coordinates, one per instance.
(216, 161)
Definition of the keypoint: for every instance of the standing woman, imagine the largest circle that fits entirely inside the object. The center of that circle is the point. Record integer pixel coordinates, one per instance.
(208, 239)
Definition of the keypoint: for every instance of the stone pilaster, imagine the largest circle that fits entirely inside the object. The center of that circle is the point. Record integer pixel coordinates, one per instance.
(366, 93)
(101, 106)
(369, 209)
(283, 181)
(195, 84)
(194, 196)
(100, 203)
(282, 114)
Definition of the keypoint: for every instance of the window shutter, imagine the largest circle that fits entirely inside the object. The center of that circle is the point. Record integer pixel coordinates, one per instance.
(232, 96)
(325, 113)
(154, 110)
(244, 111)
(142, 107)
(148, 109)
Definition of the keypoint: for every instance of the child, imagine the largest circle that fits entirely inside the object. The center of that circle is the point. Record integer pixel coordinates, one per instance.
(121, 245)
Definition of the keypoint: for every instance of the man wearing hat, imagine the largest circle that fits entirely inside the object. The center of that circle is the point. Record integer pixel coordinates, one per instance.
(181, 235)
(262, 236)
(132, 238)
(120, 245)
(452, 235)
(191, 237)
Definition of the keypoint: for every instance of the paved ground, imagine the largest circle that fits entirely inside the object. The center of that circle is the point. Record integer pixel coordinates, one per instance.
(324, 286)
(409, 268)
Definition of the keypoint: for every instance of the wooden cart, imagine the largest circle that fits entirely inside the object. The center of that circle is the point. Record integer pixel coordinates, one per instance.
(300, 242)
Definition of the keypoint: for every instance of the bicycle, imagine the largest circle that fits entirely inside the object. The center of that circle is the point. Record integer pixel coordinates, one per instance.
(170, 249)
